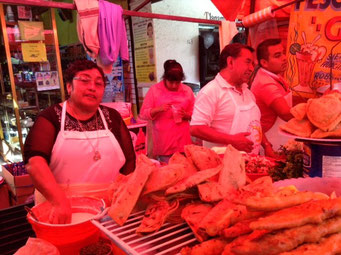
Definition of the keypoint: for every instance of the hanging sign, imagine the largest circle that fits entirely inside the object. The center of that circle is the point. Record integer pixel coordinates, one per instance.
(47, 80)
(143, 32)
(31, 30)
(34, 52)
(314, 48)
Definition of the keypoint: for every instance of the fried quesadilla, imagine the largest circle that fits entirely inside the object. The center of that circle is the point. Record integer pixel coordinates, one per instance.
(301, 128)
(163, 177)
(324, 112)
(335, 133)
(299, 111)
(193, 215)
(125, 197)
(203, 158)
(178, 158)
(233, 175)
(193, 180)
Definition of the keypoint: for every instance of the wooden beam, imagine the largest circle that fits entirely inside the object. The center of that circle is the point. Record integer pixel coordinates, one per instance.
(125, 12)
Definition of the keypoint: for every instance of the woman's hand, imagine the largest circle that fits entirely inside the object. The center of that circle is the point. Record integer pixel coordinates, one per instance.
(184, 115)
(61, 212)
(165, 107)
(159, 109)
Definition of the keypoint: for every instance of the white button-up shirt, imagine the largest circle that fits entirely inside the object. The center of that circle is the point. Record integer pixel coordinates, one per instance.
(214, 107)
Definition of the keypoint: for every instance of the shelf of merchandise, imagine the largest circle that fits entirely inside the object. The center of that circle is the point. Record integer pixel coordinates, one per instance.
(19, 98)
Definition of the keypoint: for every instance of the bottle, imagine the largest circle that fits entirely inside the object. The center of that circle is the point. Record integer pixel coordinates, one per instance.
(16, 33)
(9, 14)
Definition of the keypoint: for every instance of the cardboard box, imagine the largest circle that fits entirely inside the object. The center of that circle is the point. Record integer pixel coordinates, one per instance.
(17, 200)
(18, 185)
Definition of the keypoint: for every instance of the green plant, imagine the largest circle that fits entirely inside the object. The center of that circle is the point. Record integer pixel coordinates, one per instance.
(292, 164)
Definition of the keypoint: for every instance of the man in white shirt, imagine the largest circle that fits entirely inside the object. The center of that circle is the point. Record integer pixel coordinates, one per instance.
(225, 111)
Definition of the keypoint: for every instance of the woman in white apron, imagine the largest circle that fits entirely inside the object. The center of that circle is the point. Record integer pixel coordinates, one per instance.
(84, 151)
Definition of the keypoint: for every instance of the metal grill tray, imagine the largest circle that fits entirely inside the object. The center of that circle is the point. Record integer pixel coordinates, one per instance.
(168, 240)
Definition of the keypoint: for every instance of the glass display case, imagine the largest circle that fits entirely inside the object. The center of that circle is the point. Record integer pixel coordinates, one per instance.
(30, 73)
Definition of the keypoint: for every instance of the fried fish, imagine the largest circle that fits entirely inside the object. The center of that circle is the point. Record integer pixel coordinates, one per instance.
(330, 245)
(287, 239)
(274, 203)
(314, 211)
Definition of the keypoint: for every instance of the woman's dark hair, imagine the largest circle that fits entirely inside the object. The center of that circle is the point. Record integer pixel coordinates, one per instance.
(173, 71)
(80, 65)
(231, 50)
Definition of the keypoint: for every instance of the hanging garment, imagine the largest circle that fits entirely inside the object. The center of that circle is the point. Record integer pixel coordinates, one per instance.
(227, 31)
(112, 35)
(87, 24)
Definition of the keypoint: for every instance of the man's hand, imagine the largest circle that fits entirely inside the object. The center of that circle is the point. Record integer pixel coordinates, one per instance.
(269, 152)
(241, 142)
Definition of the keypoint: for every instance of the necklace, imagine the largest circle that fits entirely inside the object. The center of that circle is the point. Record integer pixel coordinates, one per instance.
(97, 155)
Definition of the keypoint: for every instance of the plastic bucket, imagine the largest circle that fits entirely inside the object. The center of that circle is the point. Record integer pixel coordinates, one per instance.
(69, 238)
(322, 160)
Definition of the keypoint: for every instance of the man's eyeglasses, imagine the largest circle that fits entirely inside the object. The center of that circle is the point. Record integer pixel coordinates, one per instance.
(86, 80)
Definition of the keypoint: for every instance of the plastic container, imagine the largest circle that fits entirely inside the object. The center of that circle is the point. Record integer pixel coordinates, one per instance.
(69, 238)
(322, 160)
(176, 114)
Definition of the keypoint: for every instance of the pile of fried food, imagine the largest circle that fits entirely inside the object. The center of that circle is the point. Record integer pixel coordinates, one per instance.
(318, 118)
(227, 214)
(256, 164)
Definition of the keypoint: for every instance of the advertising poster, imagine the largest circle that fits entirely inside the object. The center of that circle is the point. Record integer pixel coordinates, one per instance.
(24, 12)
(114, 90)
(143, 32)
(47, 80)
(34, 52)
(314, 48)
(31, 30)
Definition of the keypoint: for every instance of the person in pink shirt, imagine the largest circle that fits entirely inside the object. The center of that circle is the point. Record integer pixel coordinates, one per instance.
(273, 96)
(169, 105)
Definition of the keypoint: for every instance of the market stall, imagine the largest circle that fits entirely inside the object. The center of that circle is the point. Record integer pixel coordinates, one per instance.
(208, 201)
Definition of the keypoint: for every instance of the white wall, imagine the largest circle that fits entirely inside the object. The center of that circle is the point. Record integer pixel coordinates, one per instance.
(179, 40)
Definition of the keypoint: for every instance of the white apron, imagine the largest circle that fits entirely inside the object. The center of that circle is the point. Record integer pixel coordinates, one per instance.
(72, 155)
(246, 119)
(273, 136)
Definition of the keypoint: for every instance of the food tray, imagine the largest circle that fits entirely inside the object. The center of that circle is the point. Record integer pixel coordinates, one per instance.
(168, 240)
(308, 139)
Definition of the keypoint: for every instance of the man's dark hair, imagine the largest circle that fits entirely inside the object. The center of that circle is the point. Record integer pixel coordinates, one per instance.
(231, 50)
(173, 71)
(263, 48)
(80, 65)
